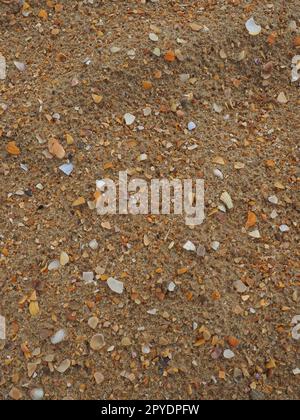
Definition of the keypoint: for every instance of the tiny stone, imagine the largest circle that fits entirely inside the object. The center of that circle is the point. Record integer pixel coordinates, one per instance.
(64, 259)
(171, 286)
(284, 228)
(115, 285)
(126, 342)
(240, 286)
(215, 245)
(255, 234)
(88, 277)
(189, 246)
(15, 394)
(153, 37)
(99, 378)
(64, 366)
(37, 394)
(273, 199)
(191, 126)
(58, 337)
(228, 354)
(67, 168)
(93, 322)
(129, 119)
(94, 245)
(97, 342)
(54, 265)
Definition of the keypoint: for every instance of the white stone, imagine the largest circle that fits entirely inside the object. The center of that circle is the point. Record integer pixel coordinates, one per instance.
(67, 168)
(115, 285)
(2, 68)
(252, 27)
(240, 286)
(37, 394)
(94, 245)
(189, 246)
(255, 234)
(218, 173)
(284, 228)
(2, 328)
(58, 337)
(215, 245)
(153, 37)
(20, 66)
(129, 119)
(54, 265)
(191, 126)
(88, 277)
(273, 199)
(228, 354)
(171, 286)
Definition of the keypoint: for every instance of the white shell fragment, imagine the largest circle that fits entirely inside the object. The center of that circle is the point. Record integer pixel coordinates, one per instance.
(227, 200)
(88, 277)
(215, 245)
(129, 119)
(228, 354)
(296, 332)
(171, 287)
(296, 68)
(58, 337)
(189, 246)
(67, 168)
(284, 228)
(37, 394)
(282, 99)
(2, 67)
(255, 234)
(153, 37)
(54, 265)
(218, 173)
(240, 286)
(2, 328)
(20, 66)
(252, 27)
(115, 285)
(191, 126)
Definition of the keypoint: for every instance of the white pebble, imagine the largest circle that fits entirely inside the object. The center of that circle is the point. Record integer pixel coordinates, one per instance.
(58, 337)
(115, 285)
(37, 394)
(284, 228)
(129, 119)
(88, 277)
(228, 354)
(94, 245)
(189, 246)
(54, 265)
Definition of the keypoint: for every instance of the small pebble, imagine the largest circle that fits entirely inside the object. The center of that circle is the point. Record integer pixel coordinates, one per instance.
(58, 337)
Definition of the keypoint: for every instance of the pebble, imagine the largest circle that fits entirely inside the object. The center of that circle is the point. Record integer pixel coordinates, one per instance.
(97, 342)
(218, 173)
(88, 277)
(94, 245)
(192, 126)
(64, 259)
(227, 200)
(228, 354)
(189, 246)
(153, 37)
(296, 371)
(93, 322)
(37, 394)
(215, 245)
(171, 287)
(15, 394)
(147, 111)
(252, 27)
(257, 396)
(273, 199)
(255, 234)
(115, 285)
(157, 52)
(284, 228)
(20, 66)
(54, 265)
(296, 332)
(282, 99)
(2, 68)
(67, 168)
(2, 328)
(240, 286)
(129, 119)
(58, 337)
(64, 366)
(99, 378)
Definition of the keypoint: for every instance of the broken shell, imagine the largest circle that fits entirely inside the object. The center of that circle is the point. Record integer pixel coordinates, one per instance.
(252, 27)
(227, 200)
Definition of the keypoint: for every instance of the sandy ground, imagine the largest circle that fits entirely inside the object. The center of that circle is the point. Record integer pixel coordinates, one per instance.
(79, 67)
